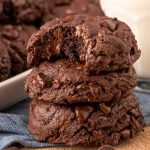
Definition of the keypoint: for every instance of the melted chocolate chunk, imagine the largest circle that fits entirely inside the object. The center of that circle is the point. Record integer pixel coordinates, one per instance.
(83, 112)
(105, 109)
(111, 24)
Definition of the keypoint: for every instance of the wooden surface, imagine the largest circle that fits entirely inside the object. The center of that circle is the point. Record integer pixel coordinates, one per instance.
(140, 142)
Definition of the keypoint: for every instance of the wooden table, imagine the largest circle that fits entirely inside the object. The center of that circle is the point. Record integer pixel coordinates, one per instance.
(140, 142)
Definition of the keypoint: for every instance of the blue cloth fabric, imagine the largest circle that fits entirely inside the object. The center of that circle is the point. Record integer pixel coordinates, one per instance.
(13, 123)
(13, 127)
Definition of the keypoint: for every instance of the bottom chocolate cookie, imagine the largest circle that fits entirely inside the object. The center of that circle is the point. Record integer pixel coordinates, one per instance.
(94, 124)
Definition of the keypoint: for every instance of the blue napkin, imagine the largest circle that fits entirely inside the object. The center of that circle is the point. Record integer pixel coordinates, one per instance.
(13, 123)
(13, 127)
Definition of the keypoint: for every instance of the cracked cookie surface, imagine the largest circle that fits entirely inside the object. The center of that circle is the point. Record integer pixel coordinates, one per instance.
(100, 43)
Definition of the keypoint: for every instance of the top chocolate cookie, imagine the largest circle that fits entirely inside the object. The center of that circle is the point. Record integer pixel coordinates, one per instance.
(101, 43)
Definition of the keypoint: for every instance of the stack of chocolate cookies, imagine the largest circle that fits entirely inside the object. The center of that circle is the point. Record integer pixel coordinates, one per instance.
(82, 82)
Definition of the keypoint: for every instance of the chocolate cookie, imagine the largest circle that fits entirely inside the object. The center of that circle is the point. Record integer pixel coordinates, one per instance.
(60, 8)
(5, 63)
(39, 11)
(23, 11)
(15, 39)
(101, 43)
(62, 82)
(96, 124)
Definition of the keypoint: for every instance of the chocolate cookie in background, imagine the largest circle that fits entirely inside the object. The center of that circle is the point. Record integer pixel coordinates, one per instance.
(62, 82)
(5, 63)
(38, 12)
(60, 8)
(22, 11)
(100, 43)
(15, 39)
(94, 124)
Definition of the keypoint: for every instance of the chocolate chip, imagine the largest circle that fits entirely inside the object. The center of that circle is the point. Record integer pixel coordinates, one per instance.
(93, 43)
(106, 147)
(40, 80)
(105, 109)
(56, 84)
(67, 19)
(10, 33)
(126, 133)
(79, 66)
(82, 86)
(132, 51)
(135, 124)
(117, 96)
(27, 14)
(83, 112)
(112, 24)
(134, 112)
(116, 137)
(84, 9)
(70, 12)
(94, 90)
(82, 57)
(97, 134)
(79, 86)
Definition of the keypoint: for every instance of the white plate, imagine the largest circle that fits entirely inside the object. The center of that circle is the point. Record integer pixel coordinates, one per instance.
(12, 90)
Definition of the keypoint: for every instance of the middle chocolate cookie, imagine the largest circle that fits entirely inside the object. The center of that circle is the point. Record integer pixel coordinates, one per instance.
(62, 82)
